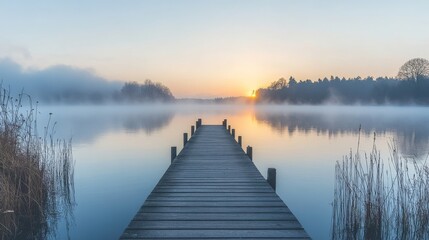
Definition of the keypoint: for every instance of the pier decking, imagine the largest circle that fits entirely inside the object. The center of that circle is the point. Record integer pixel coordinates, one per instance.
(212, 190)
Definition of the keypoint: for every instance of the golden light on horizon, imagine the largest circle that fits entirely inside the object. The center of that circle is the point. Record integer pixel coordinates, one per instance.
(252, 94)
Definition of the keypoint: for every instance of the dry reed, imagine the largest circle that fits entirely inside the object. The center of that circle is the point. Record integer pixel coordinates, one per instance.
(36, 172)
(376, 199)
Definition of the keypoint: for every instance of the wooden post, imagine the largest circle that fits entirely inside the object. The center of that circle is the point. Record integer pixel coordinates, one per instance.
(173, 153)
(192, 130)
(250, 152)
(271, 177)
(196, 124)
(233, 133)
(185, 139)
(224, 123)
(199, 122)
(240, 140)
(229, 129)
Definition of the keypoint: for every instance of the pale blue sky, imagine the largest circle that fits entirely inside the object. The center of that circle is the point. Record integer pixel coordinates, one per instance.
(216, 48)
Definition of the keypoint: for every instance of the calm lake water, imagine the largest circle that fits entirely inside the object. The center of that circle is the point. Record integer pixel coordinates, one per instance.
(122, 151)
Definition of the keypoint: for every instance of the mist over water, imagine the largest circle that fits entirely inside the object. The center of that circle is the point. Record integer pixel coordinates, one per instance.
(56, 84)
(405, 124)
(122, 151)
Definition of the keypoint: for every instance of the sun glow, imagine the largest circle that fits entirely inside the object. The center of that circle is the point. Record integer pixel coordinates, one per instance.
(252, 94)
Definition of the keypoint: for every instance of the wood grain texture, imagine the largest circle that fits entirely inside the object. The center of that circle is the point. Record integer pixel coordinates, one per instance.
(212, 190)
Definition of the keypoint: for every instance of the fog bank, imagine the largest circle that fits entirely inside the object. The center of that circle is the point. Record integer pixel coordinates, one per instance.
(59, 83)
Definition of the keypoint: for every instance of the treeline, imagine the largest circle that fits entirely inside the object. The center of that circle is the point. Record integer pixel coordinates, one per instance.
(67, 84)
(130, 92)
(411, 86)
(149, 91)
(357, 90)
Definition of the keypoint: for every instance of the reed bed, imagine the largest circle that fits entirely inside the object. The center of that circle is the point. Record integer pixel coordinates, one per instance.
(377, 199)
(36, 172)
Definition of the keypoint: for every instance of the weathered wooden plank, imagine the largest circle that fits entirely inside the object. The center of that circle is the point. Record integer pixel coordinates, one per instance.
(212, 194)
(190, 225)
(213, 216)
(211, 185)
(213, 190)
(223, 238)
(215, 204)
(214, 209)
(210, 188)
(212, 198)
(231, 174)
(215, 180)
(218, 233)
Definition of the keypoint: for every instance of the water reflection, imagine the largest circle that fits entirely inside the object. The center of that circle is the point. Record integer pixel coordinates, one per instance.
(408, 128)
(148, 122)
(87, 123)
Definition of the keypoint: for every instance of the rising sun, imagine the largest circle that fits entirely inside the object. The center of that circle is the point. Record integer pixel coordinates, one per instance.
(252, 94)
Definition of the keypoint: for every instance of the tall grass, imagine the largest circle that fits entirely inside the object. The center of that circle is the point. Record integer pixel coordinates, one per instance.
(36, 172)
(376, 199)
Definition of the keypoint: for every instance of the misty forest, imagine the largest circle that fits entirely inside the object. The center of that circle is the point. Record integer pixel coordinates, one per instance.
(58, 84)
(64, 84)
(411, 86)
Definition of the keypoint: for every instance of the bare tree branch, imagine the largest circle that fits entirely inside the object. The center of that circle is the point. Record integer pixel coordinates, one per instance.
(414, 69)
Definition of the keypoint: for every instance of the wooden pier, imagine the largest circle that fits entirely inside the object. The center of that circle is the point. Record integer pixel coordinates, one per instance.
(212, 190)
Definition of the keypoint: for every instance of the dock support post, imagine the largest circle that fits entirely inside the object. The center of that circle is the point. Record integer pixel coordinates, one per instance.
(185, 139)
(199, 123)
(240, 140)
(224, 123)
(173, 153)
(192, 130)
(271, 177)
(250, 152)
(229, 129)
(233, 133)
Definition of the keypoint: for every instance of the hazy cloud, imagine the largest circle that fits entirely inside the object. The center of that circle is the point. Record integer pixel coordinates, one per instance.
(56, 83)
(14, 51)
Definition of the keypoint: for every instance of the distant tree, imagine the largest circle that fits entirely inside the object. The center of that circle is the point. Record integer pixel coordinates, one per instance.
(292, 81)
(149, 91)
(414, 69)
(130, 90)
(347, 91)
(279, 84)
